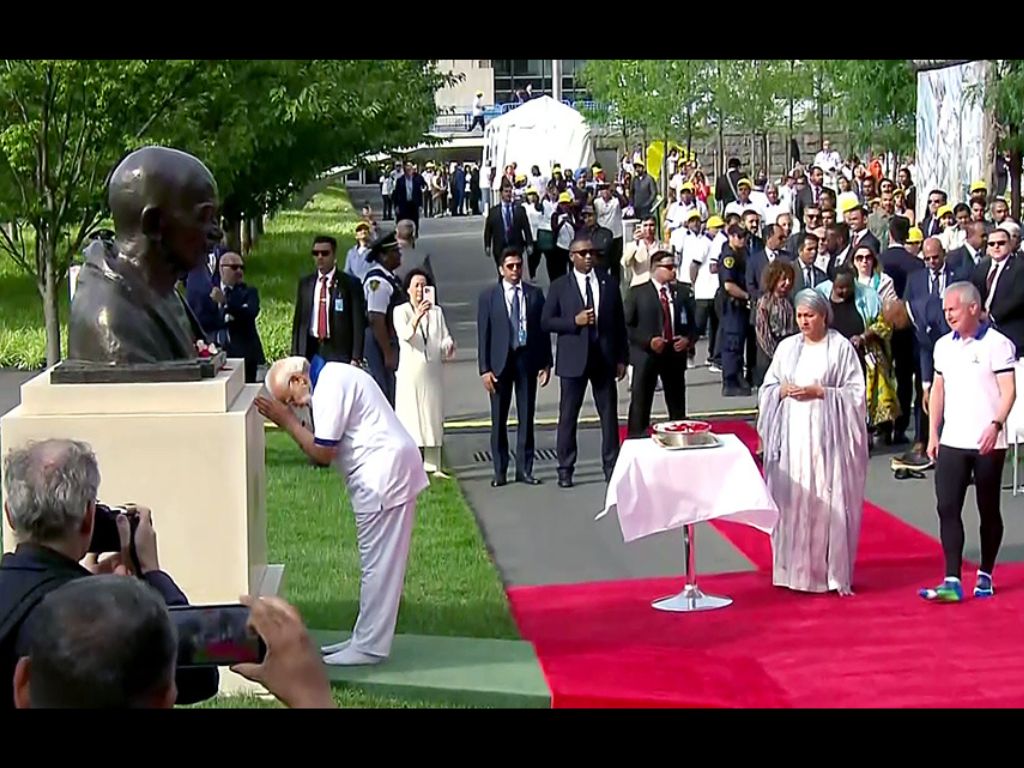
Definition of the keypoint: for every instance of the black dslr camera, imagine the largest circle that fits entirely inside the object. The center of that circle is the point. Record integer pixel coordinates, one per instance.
(105, 537)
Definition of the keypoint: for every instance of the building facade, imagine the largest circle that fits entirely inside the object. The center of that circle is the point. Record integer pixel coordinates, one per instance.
(499, 79)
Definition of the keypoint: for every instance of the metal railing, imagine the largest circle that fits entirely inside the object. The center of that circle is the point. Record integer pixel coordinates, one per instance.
(458, 120)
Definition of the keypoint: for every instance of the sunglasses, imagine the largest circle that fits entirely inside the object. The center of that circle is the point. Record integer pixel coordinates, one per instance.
(322, 253)
(999, 243)
(583, 253)
(235, 267)
(513, 265)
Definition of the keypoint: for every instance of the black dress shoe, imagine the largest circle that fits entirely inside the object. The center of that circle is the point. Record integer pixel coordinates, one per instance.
(899, 438)
(565, 482)
(528, 480)
(496, 483)
(741, 391)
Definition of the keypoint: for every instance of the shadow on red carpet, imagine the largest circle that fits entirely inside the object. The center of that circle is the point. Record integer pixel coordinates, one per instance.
(602, 645)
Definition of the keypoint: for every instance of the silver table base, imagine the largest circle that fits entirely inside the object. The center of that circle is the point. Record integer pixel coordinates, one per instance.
(691, 598)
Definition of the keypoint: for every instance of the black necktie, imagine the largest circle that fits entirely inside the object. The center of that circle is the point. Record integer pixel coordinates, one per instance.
(809, 279)
(591, 329)
(508, 222)
(935, 284)
(516, 318)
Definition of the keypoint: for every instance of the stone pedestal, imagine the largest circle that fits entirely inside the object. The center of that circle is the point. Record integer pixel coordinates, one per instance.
(192, 452)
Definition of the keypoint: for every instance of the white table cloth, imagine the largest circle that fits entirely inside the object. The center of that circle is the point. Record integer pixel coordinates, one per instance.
(654, 489)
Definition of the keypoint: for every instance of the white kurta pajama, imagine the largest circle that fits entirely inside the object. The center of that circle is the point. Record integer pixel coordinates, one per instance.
(815, 460)
(384, 472)
(419, 392)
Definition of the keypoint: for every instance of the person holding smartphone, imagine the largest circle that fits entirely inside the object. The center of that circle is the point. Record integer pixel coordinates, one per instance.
(425, 344)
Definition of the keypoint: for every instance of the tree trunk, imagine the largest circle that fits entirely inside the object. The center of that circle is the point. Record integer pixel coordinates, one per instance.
(789, 127)
(51, 309)
(260, 225)
(753, 158)
(246, 236)
(689, 131)
(233, 232)
(821, 112)
(1015, 171)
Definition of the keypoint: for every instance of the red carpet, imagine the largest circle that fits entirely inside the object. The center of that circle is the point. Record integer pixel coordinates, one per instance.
(602, 645)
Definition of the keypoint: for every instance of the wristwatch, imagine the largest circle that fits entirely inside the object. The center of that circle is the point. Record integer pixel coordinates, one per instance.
(997, 423)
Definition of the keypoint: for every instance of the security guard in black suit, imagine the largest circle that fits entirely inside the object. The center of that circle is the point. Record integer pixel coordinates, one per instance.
(732, 268)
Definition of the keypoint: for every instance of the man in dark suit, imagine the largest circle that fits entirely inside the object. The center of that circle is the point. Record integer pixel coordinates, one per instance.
(807, 274)
(203, 294)
(408, 196)
(514, 353)
(964, 259)
(335, 296)
(760, 258)
(726, 187)
(239, 311)
(811, 194)
(507, 226)
(897, 262)
(856, 217)
(999, 279)
(930, 224)
(660, 320)
(585, 309)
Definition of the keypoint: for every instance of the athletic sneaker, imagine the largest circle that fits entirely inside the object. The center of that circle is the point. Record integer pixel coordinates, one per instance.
(983, 586)
(949, 591)
(714, 368)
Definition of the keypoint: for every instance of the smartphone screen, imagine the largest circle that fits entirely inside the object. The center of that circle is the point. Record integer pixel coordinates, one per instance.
(430, 294)
(216, 636)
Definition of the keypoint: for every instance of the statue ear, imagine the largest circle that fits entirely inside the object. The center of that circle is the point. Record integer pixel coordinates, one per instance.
(152, 222)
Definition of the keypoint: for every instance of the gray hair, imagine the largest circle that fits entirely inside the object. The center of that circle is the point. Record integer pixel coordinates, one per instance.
(281, 372)
(965, 291)
(815, 302)
(102, 642)
(49, 486)
(405, 229)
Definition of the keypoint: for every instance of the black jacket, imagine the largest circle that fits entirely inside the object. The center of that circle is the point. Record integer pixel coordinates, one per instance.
(238, 315)
(30, 573)
(347, 319)
(1007, 307)
(495, 237)
(563, 303)
(645, 319)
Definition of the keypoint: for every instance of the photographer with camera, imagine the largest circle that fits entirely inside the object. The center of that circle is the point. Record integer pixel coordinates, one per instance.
(110, 643)
(64, 535)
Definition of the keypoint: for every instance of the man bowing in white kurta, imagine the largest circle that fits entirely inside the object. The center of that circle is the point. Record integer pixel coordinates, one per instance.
(358, 433)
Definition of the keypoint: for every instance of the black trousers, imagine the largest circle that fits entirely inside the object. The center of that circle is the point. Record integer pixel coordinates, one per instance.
(573, 389)
(533, 261)
(953, 470)
(477, 120)
(514, 378)
(557, 262)
(908, 380)
(720, 333)
(707, 321)
(387, 205)
(671, 368)
(615, 260)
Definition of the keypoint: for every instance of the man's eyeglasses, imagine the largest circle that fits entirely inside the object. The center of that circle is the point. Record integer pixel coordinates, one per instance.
(934, 202)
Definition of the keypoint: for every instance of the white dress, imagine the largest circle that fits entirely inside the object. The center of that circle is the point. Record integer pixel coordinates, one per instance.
(419, 389)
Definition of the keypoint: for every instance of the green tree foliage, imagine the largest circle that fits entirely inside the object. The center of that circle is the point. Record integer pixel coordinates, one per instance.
(266, 128)
(877, 100)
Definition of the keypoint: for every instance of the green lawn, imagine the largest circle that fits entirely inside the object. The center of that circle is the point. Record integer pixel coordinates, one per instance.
(451, 586)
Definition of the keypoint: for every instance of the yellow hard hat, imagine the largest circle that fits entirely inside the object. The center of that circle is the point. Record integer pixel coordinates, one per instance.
(715, 221)
(520, 177)
(693, 214)
(743, 181)
(848, 201)
(915, 236)
(944, 210)
(565, 197)
(979, 186)
(687, 186)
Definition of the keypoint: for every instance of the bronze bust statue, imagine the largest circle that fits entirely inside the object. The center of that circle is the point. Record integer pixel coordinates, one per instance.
(126, 308)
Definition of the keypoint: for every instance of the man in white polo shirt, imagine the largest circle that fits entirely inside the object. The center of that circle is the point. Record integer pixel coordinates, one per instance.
(973, 373)
(357, 431)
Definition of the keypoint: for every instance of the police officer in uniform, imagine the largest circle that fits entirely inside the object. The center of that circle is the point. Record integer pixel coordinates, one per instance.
(383, 293)
(735, 311)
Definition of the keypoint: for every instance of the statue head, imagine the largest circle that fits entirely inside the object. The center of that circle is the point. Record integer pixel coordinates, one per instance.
(164, 205)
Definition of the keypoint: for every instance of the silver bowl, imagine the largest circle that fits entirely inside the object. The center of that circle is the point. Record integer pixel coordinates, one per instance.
(667, 439)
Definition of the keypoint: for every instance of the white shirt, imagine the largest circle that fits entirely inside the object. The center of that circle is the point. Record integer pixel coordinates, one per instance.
(381, 463)
(478, 106)
(740, 208)
(671, 307)
(408, 188)
(535, 217)
(975, 255)
(314, 324)
(699, 251)
(550, 206)
(692, 250)
(953, 238)
(609, 215)
(509, 292)
(829, 161)
(997, 267)
(595, 287)
(356, 263)
(971, 395)
(772, 212)
(378, 292)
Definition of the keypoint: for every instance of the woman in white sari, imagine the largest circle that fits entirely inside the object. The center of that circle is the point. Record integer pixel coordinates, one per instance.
(812, 423)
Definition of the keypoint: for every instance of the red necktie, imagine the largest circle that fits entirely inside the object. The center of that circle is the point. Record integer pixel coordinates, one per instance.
(666, 313)
(321, 314)
(991, 279)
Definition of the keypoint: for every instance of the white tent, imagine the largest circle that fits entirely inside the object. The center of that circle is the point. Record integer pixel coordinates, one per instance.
(541, 132)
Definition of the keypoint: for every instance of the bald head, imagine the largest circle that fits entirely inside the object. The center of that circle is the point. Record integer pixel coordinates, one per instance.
(165, 201)
(976, 235)
(287, 375)
(933, 253)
